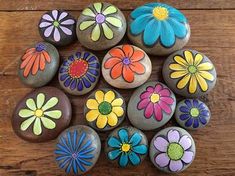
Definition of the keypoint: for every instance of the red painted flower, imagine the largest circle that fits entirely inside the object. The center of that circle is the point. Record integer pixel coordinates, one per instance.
(35, 59)
(125, 61)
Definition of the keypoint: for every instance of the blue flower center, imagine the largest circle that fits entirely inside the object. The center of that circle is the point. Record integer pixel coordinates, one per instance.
(40, 47)
(74, 155)
(126, 61)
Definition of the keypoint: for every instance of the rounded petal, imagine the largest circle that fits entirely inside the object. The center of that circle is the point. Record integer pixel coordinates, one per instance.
(198, 59)
(123, 160)
(162, 160)
(109, 10)
(165, 93)
(114, 154)
(55, 14)
(111, 62)
(29, 65)
(24, 113)
(109, 96)
(88, 12)
(92, 104)
(118, 111)
(56, 35)
(86, 24)
(178, 74)
(37, 128)
(66, 30)
(99, 96)
(140, 11)
(138, 25)
(98, 7)
(123, 135)
(203, 120)
(114, 142)
(116, 71)
(48, 31)
(135, 159)
(108, 33)
(161, 144)
(128, 50)
(148, 112)
(145, 95)
(128, 74)
(137, 56)
(177, 67)
(44, 24)
(112, 119)
(143, 103)
(95, 34)
(137, 68)
(25, 124)
(40, 100)
(50, 103)
(206, 75)
(48, 123)
(101, 121)
(31, 104)
(185, 142)
(165, 107)
(55, 114)
(47, 17)
(117, 102)
(152, 32)
(187, 157)
(205, 66)
(181, 61)
(179, 28)
(177, 15)
(193, 84)
(114, 21)
(117, 52)
(184, 116)
(68, 22)
(140, 149)
(158, 112)
(62, 16)
(135, 139)
(189, 57)
(173, 136)
(158, 88)
(184, 81)
(167, 35)
(167, 100)
(195, 123)
(189, 122)
(92, 115)
(176, 166)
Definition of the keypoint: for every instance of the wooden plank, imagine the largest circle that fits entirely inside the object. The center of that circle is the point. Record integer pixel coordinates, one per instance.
(14, 5)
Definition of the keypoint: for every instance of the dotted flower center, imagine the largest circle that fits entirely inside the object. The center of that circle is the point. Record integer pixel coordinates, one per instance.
(105, 108)
(100, 18)
(154, 98)
(192, 69)
(126, 147)
(39, 113)
(175, 151)
(78, 68)
(194, 112)
(40, 47)
(126, 61)
(160, 13)
(56, 23)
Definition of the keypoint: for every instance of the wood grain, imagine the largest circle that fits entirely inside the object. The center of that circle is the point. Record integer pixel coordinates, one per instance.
(213, 33)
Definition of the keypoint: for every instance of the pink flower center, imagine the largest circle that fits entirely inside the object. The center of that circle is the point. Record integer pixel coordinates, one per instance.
(100, 18)
(154, 98)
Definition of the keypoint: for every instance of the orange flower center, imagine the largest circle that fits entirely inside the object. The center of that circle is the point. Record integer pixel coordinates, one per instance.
(78, 68)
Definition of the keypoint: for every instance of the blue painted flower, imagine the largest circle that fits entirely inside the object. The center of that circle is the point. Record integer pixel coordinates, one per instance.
(158, 21)
(193, 113)
(126, 149)
(79, 71)
(73, 152)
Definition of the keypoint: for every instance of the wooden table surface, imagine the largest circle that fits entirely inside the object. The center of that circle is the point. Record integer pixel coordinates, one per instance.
(213, 33)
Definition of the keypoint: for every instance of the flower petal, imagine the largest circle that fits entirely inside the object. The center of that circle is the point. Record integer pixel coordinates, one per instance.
(36, 65)
(31, 104)
(95, 34)
(29, 65)
(135, 159)
(162, 160)
(114, 142)
(143, 103)
(112, 119)
(193, 84)
(92, 104)
(185, 142)
(108, 33)
(128, 74)
(164, 93)
(206, 75)
(114, 21)
(47, 17)
(176, 166)
(145, 95)
(86, 24)
(201, 81)
(173, 136)
(118, 111)
(137, 68)
(140, 149)
(158, 112)
(24, 113)
(152, 32)
(25, 124)
(179, 28)
(48, 31)
(184, 116)
(135, 139)
(165, 107)
(187, 157)
(158, 88)
(116, 71)
(177, 15)
(123, 135)
(195, 123)
(123, 160)
(189, 122)
(55, 14)
(88, 12)
(184, 81)
(178, 74)
(109, 96)
(140, 11)
(92, 115)
(114, 154)
(62, 16)
(167, 34)
(137, 56)
(198, 59)
(117, 102)
(117, 52)
(177, 67)
(101, 121)
(189, 57)
(205, 66)
(161, 144)
(109, 10)
(181, 61)
(98, 7)
(111, 62)
(66, 30)
(148, 112)
(37, 128)
(68, 22)
(56, 35)
(50, 103)
(44, 24)
(48, 123)
(55, 114)
(128, 50)
(40, 100)
(139, 24)
(99, 96)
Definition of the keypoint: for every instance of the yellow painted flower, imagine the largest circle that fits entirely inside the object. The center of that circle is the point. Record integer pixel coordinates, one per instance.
(105, 109)
(191, 70)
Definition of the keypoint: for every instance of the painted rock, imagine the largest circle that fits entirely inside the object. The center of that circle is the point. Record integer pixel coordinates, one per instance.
(126, 66)
(100, 26)
(151, 106)
(57, 27)
(192, 114)
(80, 73)
(77, 149)
(105, 109)
(158, 29)
(172, 150)
(41, 115)
(189, 73)
(38, 65)
(126, 146)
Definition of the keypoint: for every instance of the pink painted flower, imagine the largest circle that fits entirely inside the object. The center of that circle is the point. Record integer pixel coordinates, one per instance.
(175, 151)
(155, 101)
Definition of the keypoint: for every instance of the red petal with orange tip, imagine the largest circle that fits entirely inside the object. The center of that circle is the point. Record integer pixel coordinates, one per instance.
(137, 68)
(117, 52)
(128, 50)
(137, 56)
(128, 74)
(111, 62)
(117, 70)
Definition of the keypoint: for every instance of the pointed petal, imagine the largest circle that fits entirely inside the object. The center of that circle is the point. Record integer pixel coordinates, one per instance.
(138, 25)
(181, 61)
(98, 7)
(137, 67)
(193, 84)
(189, 57)
(179, 28)
(202, 82)
(205, 66)
(177, 67)
(140, 11)
(116, 71)
(128, 74)
(88, 12)
(178, 74)
(128, 51)
(184, 81)
(198, 59)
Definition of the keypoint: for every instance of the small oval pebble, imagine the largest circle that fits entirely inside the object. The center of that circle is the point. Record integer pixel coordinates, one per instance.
(38, 65)
(192, 114)
(77, 149)
(158, 28)
(100, 26)
(41, 115)
(172, 150)
(105, 109)
(126, 66)
(57, 27)
(126, 146)
(80, 73)
(151, 106)
(189, 73)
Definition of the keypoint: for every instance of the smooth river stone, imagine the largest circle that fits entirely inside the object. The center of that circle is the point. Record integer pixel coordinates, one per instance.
(189, 73)
(192, 114)
(126, 146)
(100, 26)
(57, 27)
(126, 67)
(105, 109)
(172, 150)
(41, 115)
(77, 149)
(38, 65)
(79, 73)
(158, 28)
(151, 106)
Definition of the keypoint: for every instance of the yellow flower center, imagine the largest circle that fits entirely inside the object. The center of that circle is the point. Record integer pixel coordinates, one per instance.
(126, 147)
(161, 13)
(39, 113)
(192, 69)
(154, 98)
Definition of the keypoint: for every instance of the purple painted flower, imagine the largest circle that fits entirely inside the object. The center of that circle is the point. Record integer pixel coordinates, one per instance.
(56, 23)
(175, 151)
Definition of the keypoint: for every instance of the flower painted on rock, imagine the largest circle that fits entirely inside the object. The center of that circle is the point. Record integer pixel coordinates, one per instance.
(127, 149)
(191, 70)
(56, 23)
(102, 21)
(125, 62)
(35, 59)
(74, 153)
(155, 101)
(38, 112)
(105, 109)
(158, 22)
(175, 151)
(194, 113)
(79, 71)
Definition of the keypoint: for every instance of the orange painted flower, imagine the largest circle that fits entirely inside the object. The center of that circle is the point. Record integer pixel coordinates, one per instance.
(35, 59)
(125, 62)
